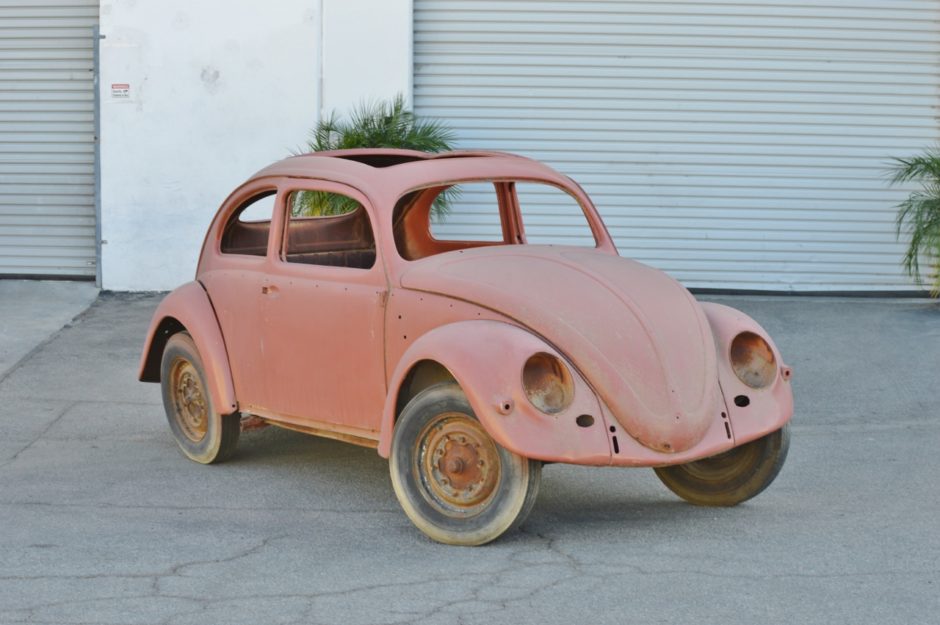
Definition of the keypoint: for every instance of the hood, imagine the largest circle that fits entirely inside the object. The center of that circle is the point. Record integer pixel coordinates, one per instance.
(637, 336)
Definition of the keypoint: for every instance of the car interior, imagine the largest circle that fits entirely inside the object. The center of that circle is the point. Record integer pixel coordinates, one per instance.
(411, 224)
(323, 229)
(334, 230)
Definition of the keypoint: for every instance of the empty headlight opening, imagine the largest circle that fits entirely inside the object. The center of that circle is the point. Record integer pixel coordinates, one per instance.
(753, 360)
(547, 383)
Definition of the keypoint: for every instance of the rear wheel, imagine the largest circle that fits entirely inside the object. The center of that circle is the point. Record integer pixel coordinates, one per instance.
(201, 433)
(730, 477)
(452, 480)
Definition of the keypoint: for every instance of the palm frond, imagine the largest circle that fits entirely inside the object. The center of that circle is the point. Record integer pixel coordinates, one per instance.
(921, 168)
(320, 204)
(384, 124)
(919, 216)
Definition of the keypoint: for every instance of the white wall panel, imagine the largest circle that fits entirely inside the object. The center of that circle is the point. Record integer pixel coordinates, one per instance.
(218, 90)
(367, 52)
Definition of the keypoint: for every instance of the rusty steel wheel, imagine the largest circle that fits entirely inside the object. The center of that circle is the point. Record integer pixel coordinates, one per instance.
(191, 408)
(202, 435)
(453, 481)
(730, 477)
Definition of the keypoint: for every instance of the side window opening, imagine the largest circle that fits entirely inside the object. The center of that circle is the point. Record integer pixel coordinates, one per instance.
(249, 226)
(328, 229)
(472, 214)
(550, 216)
(471, 218)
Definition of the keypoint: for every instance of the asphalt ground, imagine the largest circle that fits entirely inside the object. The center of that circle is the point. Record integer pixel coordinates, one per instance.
(103, 521)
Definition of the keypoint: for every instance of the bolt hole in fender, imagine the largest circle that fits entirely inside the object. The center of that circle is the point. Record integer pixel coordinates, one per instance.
(202, 434)
(732, 477)
(452, 480)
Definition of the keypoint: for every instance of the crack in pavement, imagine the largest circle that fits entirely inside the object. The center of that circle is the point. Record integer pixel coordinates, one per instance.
(480, 581)
(117, 506)
(474, 589)
(69, 406)
(39, 436)
(174, 571)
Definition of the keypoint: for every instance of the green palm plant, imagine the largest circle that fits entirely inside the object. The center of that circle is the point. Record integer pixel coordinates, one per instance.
(919, 215)
(375, 124)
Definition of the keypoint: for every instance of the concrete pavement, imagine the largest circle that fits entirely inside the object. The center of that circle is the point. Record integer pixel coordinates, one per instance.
(104, 522)
(31, 311)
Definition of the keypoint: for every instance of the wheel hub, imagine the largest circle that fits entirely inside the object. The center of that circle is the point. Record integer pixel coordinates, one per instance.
(459, 464)
(192, 413)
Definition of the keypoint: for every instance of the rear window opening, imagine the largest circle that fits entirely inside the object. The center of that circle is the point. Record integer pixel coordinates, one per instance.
(246, 232)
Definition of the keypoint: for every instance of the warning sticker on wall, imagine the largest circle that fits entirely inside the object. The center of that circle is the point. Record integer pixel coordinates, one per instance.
(120, 90)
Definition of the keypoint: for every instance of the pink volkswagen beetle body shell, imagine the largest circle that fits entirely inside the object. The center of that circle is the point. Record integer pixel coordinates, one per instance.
(338, 351)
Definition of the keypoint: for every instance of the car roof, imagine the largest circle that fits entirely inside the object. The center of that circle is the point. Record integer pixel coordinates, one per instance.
(373, 170)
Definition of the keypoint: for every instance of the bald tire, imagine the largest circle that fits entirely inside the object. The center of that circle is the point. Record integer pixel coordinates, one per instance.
(732, 477)
(512, 497)
(221, 431)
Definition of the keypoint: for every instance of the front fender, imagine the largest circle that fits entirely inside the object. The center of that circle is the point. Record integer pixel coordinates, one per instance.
(188, 308)
(486, 359)
(769, 408)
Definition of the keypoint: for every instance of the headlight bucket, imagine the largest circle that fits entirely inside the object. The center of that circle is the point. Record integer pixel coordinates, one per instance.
(547, 383)
(753, 360)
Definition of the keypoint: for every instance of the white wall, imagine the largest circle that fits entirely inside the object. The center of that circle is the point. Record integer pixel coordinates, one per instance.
(218, 90)
(367, 51)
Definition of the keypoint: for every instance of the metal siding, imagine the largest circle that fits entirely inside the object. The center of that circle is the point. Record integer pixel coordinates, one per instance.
(733, 144)
(47, 164)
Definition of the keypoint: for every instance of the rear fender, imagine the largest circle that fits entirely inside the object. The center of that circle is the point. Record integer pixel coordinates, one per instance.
(486, 359)
(188, 308)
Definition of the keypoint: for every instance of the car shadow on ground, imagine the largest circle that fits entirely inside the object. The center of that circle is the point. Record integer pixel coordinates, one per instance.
(571, 498)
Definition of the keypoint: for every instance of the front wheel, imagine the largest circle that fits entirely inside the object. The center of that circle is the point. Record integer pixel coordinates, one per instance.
(452, 480)
(730, 477)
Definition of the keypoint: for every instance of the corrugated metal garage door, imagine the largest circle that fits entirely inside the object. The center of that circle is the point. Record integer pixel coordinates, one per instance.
(47, 201)
(734, 144)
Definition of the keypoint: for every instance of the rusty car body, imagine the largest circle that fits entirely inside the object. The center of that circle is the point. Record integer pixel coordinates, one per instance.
(468, 363)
